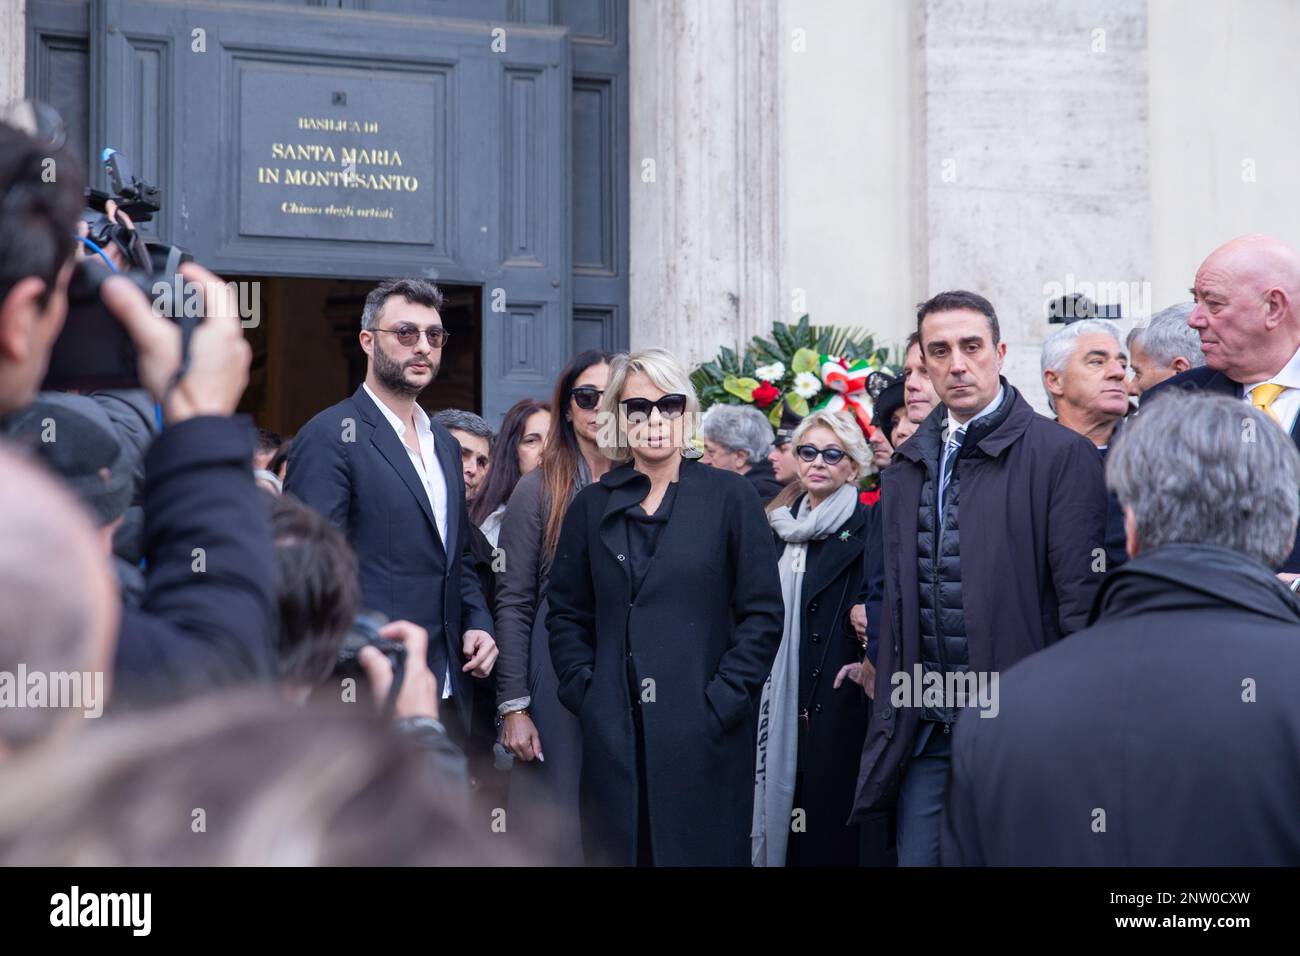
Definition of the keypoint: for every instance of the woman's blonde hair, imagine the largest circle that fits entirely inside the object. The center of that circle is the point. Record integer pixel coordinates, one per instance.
(662, 368)
(846, 430)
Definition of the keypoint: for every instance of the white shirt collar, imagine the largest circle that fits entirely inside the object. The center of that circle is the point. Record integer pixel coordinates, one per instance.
(952, 425)
(1289, 377)
(421, 416)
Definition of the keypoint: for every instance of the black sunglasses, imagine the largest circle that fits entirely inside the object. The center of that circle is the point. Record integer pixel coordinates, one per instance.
(832, 456)
(587, 397)
(408, 335)
(638, 409)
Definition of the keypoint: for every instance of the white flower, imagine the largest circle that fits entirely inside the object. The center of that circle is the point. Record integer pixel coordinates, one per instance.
(769, 373)
(806, 385)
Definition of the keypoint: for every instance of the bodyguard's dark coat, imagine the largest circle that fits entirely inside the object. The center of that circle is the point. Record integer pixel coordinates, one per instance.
(1145, 717)
(831, 746)
(1209, 380)
(704, 629)
(1033, 514)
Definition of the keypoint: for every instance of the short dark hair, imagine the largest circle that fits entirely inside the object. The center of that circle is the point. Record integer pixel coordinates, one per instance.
(959, 299)
(913, 339)
(267, 441)
(38, 214)
(419, 291)
(317, 590)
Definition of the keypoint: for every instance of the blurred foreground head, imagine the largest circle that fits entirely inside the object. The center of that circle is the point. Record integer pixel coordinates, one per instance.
(1195, 468)
(59, 605)
(235, 780)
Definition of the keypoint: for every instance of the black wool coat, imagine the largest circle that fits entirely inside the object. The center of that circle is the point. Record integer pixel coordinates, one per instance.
(1033, 522)
(698, 641)
(1163, 735)
(831, 744)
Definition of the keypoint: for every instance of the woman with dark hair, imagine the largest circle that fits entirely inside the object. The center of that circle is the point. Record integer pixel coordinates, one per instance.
(544, 783)
(518, 450)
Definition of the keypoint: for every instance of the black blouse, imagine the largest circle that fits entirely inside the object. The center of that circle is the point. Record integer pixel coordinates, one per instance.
(643, 533)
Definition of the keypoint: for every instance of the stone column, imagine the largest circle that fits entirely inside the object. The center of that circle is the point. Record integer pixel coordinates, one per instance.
(13, 51)
(1036, 160)
(705, 178)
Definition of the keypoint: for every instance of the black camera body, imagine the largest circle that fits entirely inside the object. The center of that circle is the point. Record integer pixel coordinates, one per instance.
(364, 632)
(94, 351)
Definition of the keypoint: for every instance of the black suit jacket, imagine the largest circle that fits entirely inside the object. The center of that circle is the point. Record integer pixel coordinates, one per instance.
(349, 464)
(1211, 380)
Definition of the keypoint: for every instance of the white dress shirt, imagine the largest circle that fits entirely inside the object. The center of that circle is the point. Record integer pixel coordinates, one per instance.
(425, 461)
(1287, 404)
(434, 481)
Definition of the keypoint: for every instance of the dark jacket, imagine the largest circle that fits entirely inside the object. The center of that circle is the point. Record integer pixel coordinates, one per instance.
(543, 793)
(1215, 382)
(207, 620)
(349, 464)
(762, 476)
(704, 630)
(1172, 722)
(944, 647)
(874, 568)
(1033, 512)
(831, 744)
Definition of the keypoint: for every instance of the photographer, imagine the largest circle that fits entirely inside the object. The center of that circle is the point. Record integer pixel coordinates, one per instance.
(319, 598)
(206, 618)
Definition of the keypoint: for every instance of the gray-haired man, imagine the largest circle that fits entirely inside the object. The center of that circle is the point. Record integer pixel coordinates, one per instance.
(1084, 372)
(1163, 734)
(476, 439)
(1163, 348)
(738, 438)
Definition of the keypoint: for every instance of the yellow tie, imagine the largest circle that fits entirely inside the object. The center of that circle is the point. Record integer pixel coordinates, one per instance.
(1263, 396)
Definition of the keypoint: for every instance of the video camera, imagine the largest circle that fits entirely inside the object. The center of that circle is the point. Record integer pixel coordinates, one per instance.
(94, 350)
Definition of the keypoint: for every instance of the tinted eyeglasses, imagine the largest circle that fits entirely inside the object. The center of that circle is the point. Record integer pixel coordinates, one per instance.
(638, 409)
(408, 335)
(586, 397)
(832, 456)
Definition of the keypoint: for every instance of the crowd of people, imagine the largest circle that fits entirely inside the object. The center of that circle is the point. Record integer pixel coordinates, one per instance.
(617, 631)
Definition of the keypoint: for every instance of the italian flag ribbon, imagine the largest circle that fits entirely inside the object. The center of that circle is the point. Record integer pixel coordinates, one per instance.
(849, 383)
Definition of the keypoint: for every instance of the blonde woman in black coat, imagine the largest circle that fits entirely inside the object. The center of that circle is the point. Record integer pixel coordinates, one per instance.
(814, 713)
(665, 615)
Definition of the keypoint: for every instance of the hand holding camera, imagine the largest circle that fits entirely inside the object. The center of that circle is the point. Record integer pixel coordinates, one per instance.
(219, 355)
(418, 694)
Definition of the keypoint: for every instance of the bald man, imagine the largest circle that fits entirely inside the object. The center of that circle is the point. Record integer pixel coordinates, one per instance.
(61, 609)
(1247, 314)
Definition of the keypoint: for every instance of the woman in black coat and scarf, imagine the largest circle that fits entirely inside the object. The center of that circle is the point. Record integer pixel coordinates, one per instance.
(813, 716)
(536, 728)
(665, 615)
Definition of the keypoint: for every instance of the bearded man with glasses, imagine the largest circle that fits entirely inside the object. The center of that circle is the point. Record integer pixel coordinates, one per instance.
(390, 478)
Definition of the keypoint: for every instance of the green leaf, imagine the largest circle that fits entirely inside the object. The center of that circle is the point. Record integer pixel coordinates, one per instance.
(727, 359)
(774, 414)
(803, 333)
(742, 388)
(798, 404)
(781, 333)
(805, 360)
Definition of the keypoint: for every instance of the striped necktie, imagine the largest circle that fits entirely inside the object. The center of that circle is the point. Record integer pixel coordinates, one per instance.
(950, 452)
